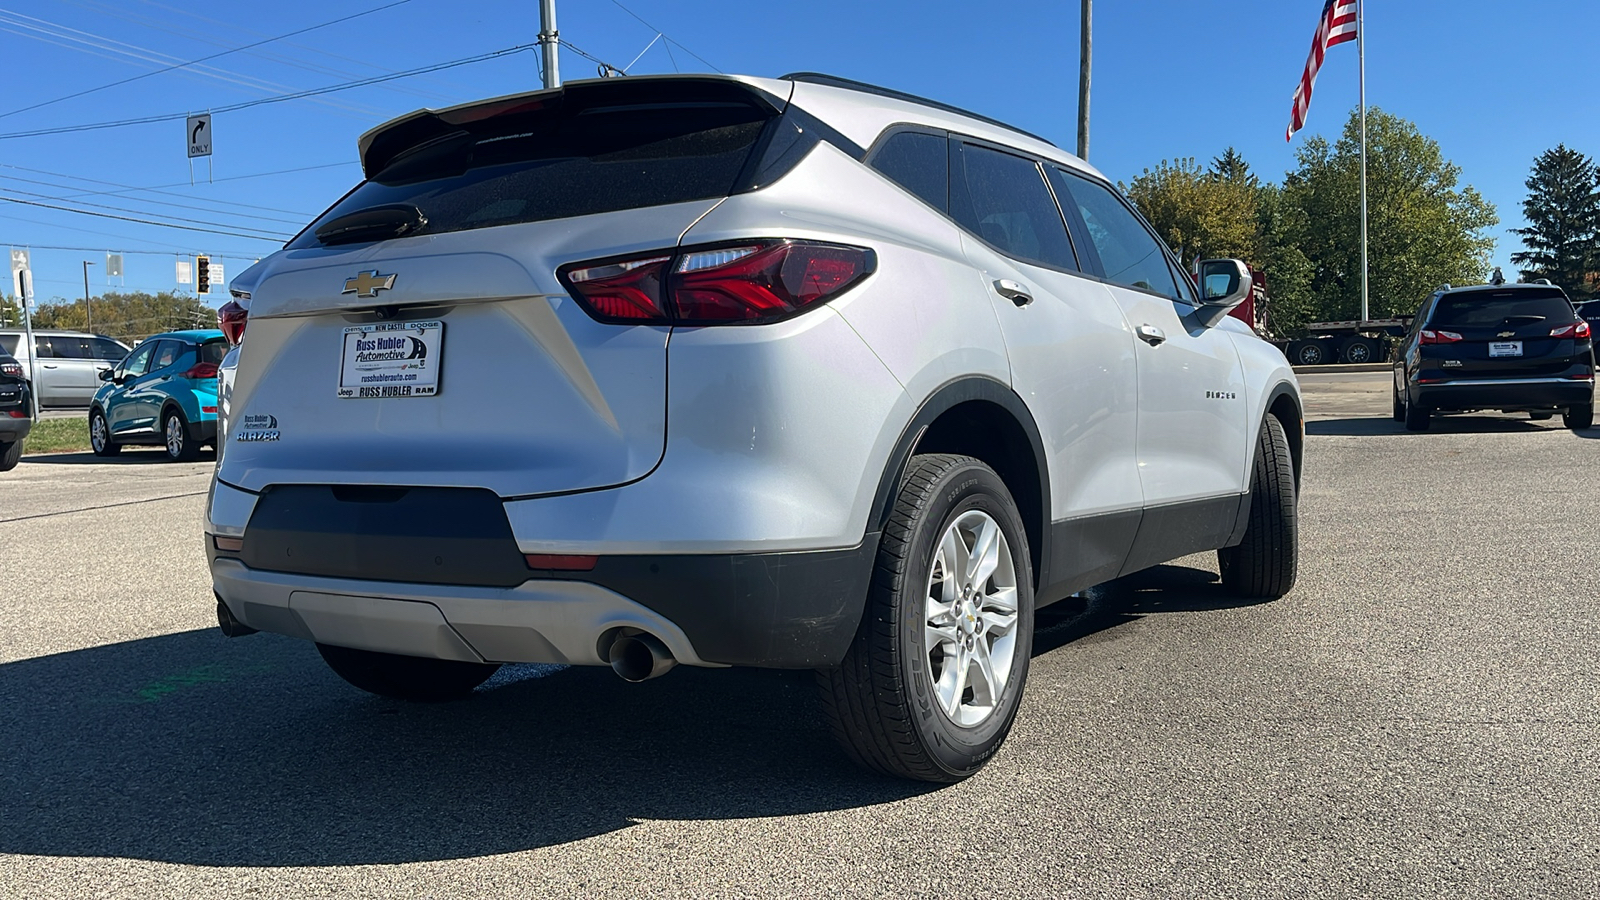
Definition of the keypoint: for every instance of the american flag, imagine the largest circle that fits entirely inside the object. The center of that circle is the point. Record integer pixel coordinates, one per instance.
(1336, 26)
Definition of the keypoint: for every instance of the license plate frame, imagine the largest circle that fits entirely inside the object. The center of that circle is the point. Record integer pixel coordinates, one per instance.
(1503, 349)
(383, 360)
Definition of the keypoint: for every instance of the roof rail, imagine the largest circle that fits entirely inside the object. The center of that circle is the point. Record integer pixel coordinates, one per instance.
(865, 88)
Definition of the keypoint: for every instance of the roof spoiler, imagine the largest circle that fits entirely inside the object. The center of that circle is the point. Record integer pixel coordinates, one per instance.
(383, 144)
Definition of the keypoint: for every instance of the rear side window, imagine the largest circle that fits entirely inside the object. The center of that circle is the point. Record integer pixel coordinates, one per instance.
(554, 165)
(1488, 309)
(918, 162)
(8, 343)
(1003, 199)
(1129, 254)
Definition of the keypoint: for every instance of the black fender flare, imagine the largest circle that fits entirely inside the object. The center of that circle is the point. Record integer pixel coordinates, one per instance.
(943, 399)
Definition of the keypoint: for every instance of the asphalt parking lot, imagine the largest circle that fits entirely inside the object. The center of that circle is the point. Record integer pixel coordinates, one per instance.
(1417, 719)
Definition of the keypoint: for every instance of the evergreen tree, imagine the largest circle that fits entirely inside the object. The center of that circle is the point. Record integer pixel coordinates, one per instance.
(1231, 167)
(1563, 212)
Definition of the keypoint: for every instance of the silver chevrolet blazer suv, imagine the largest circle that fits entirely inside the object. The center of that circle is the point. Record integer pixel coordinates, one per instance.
(722, 371)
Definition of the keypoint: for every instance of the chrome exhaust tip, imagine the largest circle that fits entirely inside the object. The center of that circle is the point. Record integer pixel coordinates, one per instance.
(640, 657)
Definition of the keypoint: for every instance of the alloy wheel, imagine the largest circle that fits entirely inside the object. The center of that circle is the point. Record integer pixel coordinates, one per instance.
(174, 432)
(970, 618)
(97, 433)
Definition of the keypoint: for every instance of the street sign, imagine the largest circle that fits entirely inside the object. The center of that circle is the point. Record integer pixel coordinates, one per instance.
(19, 260)
(185, 272)
(217, 277)
(199, 135)
(113, 265)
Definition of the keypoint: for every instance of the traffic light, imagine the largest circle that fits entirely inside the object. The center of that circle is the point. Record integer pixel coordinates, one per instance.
(202, 274)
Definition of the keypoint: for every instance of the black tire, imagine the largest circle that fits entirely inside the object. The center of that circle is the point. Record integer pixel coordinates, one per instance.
(104, 445)
(1310, 353)
(176, 439)
(1399, 408)
(882, 699)
(1266, 562)
(1417, 417)
(1578, 417)
(413, 678)
(10, 455)
(1359, 352)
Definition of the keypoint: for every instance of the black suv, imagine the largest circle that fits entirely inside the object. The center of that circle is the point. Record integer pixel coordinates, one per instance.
(1511, 347)
(15, 411)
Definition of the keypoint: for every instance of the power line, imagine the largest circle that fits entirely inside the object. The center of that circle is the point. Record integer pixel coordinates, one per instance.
(128, 188)
(140, 212)
(270, 237)
(668, 38)
(202, 59)
(243, 215)
(296, 95)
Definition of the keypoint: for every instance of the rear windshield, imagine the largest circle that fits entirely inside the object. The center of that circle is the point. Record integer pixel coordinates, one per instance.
(213, 352)
(555, 165)
(1491, 309)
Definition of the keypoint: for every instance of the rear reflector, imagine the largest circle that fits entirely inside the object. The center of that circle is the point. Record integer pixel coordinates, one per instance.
(17, 414)
(565, 563)
(745, 283)
(229, 544)
(208, 409)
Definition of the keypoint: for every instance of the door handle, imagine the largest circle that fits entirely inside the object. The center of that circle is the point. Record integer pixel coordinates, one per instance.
(1013, 291)
(49, 365)
(1151, 335)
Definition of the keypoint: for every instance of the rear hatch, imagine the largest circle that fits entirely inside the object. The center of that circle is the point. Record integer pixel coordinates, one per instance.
(423, 338)
(1510, 333)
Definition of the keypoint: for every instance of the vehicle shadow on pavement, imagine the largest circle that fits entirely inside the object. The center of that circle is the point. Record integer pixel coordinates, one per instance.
(1166, 588)
(191, 748)
(1440, 425)
(143, 456)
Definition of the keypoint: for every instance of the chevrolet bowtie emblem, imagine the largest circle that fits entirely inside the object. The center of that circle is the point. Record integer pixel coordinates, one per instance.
(1506, 334)
(368, 284)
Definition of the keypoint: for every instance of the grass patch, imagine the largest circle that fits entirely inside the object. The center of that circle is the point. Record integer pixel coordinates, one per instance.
(58, 436)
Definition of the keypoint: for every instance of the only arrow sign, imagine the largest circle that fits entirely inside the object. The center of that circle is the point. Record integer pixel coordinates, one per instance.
(199, 135)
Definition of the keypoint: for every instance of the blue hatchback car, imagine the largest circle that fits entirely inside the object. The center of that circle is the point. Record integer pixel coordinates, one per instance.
(164, 393)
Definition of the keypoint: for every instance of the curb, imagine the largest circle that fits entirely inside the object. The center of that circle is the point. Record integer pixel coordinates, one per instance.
(1336, 368)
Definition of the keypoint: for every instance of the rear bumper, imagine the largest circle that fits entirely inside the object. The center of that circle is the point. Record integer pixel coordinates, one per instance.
(14, 429)
(774, 610)
(1522, 393)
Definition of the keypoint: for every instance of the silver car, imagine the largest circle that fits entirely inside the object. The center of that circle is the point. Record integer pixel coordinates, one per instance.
(727, 371)
(68, 362)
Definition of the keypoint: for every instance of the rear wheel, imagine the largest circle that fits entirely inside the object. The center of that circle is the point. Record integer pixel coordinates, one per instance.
(1399, 407)
(931, 684)
(1417, 417)
(405, 677)
(175, 436)
(1358, 352)
(10, 455)
(1310, 353)
(1265, 564)
(1578, 417)
(100, 436)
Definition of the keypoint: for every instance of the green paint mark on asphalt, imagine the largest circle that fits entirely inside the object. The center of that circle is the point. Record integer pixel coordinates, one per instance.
(208, 674)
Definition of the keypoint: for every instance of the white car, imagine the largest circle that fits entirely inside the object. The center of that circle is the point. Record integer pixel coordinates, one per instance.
(728, 371)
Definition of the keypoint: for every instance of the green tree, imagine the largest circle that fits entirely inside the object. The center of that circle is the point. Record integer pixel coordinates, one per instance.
(128, 316)
(1288, 272)
(1424, 228)
(1563, 212)
(1198, 214)
(10, 313)
(1230, 166)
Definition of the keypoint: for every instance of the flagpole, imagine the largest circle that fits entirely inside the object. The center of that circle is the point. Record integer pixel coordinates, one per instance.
(1361, 52)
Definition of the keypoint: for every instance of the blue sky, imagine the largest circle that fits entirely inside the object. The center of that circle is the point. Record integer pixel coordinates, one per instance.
(1492, 83)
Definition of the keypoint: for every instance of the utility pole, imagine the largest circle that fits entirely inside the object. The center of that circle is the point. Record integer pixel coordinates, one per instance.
(549, 43)
(1083, 81)
(88, 312)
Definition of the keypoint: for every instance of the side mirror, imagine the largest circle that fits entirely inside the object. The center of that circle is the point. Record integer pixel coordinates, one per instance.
(1224, 284)
(105, 374)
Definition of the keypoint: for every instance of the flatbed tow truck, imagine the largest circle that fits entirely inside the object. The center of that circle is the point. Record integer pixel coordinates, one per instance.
(1352, 341)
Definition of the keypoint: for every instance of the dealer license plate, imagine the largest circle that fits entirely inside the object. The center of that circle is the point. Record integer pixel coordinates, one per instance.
(1505, 348)
(391, 359)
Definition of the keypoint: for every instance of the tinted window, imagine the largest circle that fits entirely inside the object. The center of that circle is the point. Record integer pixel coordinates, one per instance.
(138, 362)
(1489, 309)
(8, 342)
(1002, 199)
(108, 350)
(166, 353)
(539, 166)
(1129, 254)
(214, 351)
(920, 163)
(72, 347)
(43, 348)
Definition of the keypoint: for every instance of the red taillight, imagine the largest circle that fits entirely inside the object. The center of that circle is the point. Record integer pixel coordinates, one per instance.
(625, 291)
(753, 283)
(1438, 337)
(231, 318)
(202, 370)
(17, 414)
(1581, 330)
(12, 369)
